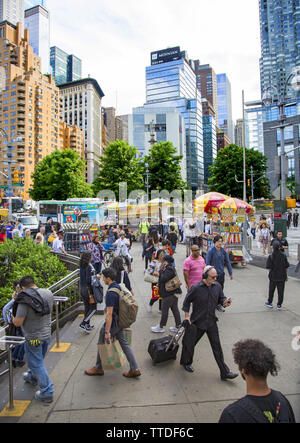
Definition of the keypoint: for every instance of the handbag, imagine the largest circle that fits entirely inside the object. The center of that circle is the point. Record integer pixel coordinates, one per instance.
(92, 300)
(97, 289)
(149, 278)
(173, 284)
(112, 355)
(155, 293)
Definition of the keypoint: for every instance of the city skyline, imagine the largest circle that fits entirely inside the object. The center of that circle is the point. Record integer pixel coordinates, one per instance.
(136, 26)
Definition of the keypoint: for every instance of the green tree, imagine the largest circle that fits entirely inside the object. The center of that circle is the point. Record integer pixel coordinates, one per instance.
(59, 176)
(24, 257)
(119, 164)
(164, 168)
(229, 165)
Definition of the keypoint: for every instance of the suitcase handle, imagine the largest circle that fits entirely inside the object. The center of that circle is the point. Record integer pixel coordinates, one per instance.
(175, 339)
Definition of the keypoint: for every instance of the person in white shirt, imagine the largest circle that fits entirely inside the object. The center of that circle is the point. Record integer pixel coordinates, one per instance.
(58, 245)
(122, 249)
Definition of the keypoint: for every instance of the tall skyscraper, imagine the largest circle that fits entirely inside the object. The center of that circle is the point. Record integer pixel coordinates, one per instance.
(207, 83)
(171, 83)
(29, 105)
(65, 68)
(80, 105)
(37, 20)
(209, 136)
(12, 11)
(225, 122)
(280, 43)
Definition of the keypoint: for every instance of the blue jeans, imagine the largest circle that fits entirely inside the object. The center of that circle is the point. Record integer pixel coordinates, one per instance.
(36, 369)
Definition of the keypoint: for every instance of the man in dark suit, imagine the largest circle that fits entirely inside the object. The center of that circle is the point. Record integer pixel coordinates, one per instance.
(204, 297)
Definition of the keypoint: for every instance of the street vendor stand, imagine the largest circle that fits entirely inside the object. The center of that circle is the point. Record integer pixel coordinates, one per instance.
(77, 236)
(226, 218)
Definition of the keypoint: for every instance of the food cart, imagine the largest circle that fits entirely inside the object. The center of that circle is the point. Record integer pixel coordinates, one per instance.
(225, 216)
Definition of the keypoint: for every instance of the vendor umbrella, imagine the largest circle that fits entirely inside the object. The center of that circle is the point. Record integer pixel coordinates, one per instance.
(235, 204)
(208, 201)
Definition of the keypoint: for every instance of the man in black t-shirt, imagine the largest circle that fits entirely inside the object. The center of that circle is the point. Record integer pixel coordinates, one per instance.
(111, 330)
(261, 404)
(284, 246)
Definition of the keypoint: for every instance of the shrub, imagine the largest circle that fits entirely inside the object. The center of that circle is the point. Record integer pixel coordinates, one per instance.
(24, 257)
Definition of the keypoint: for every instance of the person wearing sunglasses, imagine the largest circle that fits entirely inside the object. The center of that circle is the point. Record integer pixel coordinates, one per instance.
(204, 298)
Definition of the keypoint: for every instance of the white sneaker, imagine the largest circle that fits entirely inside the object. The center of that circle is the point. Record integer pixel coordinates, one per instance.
(157, 329)
(174, 329)
(149, 309)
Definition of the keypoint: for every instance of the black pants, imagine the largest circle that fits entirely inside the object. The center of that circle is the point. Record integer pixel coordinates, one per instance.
(192, 336)
(170, 302)
(280, 289)
(89, 309)
(221, 279)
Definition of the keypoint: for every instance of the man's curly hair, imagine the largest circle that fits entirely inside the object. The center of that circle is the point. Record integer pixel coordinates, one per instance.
(255, 358)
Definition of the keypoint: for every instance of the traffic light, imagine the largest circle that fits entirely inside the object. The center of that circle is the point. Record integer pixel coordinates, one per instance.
(249, 182)
(15, 177)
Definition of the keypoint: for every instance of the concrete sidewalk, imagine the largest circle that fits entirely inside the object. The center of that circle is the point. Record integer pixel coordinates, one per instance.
(166, 393)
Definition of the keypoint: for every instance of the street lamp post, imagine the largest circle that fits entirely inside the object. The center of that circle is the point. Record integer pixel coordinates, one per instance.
(268, 100)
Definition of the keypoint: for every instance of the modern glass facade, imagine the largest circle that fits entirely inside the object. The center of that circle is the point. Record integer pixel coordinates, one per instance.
(165, 124)
(12, 11)
(225, 122)
(254, 132)
(173, 85)
(37, 20)
(209, 143)
(280, 43)
(65, 68)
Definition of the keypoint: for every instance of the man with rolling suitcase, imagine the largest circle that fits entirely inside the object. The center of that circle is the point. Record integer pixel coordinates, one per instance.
(204, 297)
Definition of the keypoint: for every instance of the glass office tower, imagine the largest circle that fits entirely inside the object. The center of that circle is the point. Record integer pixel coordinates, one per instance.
(171, 82)
(280, 43)
(225, 122)
(65, 68)
(12, 11)
(37, 20)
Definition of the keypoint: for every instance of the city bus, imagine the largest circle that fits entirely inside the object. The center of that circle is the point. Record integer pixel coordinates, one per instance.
(71, 211)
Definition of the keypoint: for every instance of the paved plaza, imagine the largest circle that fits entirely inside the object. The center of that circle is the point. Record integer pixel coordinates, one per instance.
(167, 393)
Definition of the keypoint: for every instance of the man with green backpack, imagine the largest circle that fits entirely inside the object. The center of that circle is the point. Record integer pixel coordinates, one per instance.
(121, 312)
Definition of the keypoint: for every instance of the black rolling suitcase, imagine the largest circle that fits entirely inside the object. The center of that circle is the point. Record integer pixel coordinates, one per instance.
(165, 348)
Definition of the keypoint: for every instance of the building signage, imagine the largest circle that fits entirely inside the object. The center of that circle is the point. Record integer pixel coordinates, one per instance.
(167, 55)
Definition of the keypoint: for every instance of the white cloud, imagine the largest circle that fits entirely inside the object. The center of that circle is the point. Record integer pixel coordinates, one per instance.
(114, 39)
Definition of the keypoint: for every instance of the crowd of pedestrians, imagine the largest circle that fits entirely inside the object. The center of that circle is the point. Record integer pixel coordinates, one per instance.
(203, 286)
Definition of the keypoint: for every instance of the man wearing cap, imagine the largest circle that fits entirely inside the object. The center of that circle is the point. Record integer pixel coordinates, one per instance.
(204, 297)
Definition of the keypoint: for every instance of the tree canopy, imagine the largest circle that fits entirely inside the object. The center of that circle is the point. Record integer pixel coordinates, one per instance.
(164, 168)
(119, 164)
(229, 165)
(59, 176)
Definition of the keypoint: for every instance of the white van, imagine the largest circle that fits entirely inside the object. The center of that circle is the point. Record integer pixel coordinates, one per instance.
(28, 222)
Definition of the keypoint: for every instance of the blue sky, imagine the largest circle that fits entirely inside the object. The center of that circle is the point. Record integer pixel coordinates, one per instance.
(114, 39)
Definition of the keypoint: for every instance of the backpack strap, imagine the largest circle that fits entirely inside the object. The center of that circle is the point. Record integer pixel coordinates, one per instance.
(252, 409)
